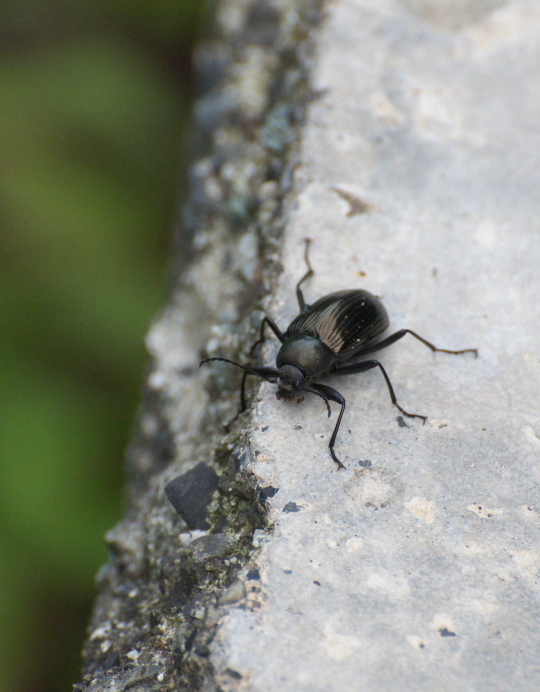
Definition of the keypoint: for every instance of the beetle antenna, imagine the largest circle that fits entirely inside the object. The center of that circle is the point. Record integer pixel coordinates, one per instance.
(252, 371)
(225, 360)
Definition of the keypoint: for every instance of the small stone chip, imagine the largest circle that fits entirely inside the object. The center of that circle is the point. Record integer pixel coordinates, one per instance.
(191, 493)
(209, 547)
(266, 492)
(235, 592)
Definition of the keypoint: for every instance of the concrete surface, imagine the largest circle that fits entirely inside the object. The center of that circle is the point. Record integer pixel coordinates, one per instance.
(416, 568)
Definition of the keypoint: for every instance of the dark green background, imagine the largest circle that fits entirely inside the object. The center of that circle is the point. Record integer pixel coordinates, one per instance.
(94, 105)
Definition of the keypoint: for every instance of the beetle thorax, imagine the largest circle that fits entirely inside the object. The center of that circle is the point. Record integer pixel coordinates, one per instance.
(290, 379)
(307, 353)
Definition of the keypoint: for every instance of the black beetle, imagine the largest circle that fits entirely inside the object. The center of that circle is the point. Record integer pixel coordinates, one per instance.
(325, 337)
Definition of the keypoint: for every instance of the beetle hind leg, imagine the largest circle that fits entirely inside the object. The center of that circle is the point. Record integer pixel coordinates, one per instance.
(389, 340)
(368, 365)
(307, 275)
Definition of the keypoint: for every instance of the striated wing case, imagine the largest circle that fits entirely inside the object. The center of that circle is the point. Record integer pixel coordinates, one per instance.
(346, 321)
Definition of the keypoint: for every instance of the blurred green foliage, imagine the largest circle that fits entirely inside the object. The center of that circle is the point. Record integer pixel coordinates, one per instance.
(94, 101)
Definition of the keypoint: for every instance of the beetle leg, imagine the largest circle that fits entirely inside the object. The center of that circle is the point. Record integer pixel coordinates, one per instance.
(368, 365)
(268, 374)
(262, 335)
(399, 335)
(262, 338)
(242, 394)
(310, 272)
(323, 396)
(243, 405)
(328, 393)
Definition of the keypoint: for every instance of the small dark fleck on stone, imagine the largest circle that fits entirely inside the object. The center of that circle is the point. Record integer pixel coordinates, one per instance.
(291, 507)
(287, 571)
(264, 428)
(233, 674)
(265, 493)
(365, 463)
(202, 650)
(318, 583)
(401, 422)
(253, 574)
(191, 493)
(444, 632)
(298, 427)
(422, 646)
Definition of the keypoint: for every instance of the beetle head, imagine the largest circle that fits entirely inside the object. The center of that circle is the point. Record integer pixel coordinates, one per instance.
(289, 380)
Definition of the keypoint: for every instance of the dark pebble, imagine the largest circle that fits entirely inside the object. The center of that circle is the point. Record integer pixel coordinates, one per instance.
(291, 507)
(191, 493)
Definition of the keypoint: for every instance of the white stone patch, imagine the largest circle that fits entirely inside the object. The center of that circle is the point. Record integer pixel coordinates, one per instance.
(423, 509)
(338, 646)
(484, 512)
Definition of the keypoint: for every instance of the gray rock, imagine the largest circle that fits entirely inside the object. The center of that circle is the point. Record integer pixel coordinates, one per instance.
(210, 547)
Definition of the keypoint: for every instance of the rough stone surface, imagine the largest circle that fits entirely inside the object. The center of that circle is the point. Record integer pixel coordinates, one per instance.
(158, 604)
(209, 547)
(417, 567)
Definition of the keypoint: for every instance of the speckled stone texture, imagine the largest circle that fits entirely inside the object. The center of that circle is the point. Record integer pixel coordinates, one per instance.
(416, 568)
(402, 137)
(194, 508)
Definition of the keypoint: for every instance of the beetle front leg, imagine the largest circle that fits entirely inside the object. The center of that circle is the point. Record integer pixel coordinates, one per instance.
(262, 335)
(262, 338)
(368, 365)
(268, 374)
(243, 405)
(328, 393)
